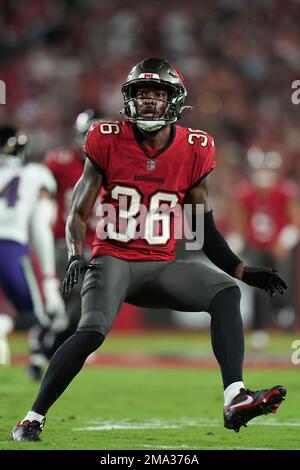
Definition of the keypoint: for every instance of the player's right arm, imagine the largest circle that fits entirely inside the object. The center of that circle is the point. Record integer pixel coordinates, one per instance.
(84, 197)
(83, 200)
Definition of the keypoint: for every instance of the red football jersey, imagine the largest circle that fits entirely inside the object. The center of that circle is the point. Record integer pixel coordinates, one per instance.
(139, 177)
(67, 167)
(266, 212)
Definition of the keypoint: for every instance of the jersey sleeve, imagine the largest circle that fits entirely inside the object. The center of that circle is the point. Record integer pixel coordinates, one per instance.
(93, 148)
(56, 158)
(50, 161)
(204, 159)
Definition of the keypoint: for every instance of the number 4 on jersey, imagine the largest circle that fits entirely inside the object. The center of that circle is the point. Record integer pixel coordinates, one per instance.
(10, 192)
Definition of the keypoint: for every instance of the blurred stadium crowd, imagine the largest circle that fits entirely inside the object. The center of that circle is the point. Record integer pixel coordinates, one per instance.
(238, 58)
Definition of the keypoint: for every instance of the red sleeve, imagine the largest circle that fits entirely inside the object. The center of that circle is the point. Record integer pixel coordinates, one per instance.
(50, 161)
(56, 158)
(204, 159)
(94, 149)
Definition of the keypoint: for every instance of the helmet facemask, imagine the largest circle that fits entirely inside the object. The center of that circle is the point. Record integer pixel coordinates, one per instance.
(173, 109)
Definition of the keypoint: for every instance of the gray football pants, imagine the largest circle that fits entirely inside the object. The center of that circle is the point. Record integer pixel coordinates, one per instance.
(178, 285)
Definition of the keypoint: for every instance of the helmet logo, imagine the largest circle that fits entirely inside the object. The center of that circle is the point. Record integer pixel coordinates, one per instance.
(149, 75)
(150, 165)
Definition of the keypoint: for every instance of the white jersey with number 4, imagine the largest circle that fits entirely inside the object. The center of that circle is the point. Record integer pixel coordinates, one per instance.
(20, 188)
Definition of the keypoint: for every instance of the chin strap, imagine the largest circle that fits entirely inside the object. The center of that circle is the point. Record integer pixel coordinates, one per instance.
(150, 126)
(146, 126)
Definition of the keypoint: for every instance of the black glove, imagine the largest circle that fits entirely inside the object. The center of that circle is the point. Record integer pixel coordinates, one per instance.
(76, 265)
(264, 278)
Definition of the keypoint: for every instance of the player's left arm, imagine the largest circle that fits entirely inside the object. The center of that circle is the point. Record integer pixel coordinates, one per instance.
(84, 197)
(218, 251)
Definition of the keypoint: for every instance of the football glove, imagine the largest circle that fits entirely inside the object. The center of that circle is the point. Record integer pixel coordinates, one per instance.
(267, 279)
(77, 265)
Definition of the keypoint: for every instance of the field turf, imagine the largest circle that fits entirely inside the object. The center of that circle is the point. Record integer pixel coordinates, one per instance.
(152, 408)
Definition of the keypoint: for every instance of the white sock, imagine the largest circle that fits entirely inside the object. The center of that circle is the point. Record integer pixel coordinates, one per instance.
(231, 391)
(33, 416)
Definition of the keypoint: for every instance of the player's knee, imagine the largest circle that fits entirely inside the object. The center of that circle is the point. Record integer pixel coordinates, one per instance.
(234, 292)
(91, 339)
(95, 323)
(231, 293)
(228, 297)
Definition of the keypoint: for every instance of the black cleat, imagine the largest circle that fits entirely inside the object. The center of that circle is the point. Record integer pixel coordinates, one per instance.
(247, 405)
(27, 431)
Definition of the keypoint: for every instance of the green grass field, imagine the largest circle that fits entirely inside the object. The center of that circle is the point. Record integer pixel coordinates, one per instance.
(151, 409)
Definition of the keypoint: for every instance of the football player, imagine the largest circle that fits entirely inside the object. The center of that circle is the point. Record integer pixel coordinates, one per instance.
(148, 160)
(26, 213)
(265, 227)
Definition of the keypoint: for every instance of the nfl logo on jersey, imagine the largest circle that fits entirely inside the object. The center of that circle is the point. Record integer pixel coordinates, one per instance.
(150, 165)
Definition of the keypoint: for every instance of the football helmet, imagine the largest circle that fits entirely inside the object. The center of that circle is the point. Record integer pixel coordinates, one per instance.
(259, 158)
(264, 166)
(83, 122)
(13, 145)
(158, 73)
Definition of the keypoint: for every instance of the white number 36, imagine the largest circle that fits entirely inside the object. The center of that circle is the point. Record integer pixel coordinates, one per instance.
(197, 134)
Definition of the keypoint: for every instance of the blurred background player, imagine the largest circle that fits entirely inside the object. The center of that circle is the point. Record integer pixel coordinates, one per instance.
(265, 226)
(26, 214)
(66, 165)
